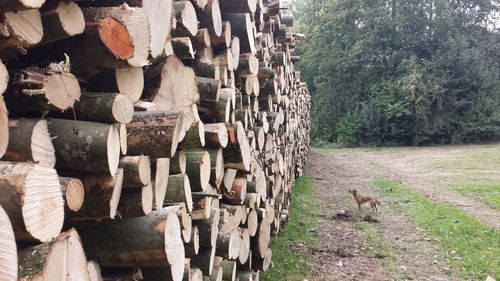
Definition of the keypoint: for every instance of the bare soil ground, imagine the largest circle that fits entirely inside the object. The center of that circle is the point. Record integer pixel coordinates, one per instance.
(344, 251)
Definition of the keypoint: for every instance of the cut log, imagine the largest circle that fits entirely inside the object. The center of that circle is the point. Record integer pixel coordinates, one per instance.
(172, 87)
(204, 260)
(209, 229)
(136, 22)
(225, 59)
(235, 51)
(136, 171)
(236, 194)
(202, 207)
(61, 20)
(4, 77)
(94, 271)
(242, 27)
(102, 107)
(30, 141)
(25, 191)
(62, 258)
(128, 81)
(161, 172)
(105, 44)
(193, 246)
(248, 64)
(85, 146)
(216, 167)
(121, 274)
(198, 169)
(73, 193)
(228, 245)
(102, 196)
(15, 5)
(205, 67)
(223, 40)
(194, 138)
(20, 31)
(179, 190)
(245, 256)
(234, 215)
(216, 135)
(34, 88)
(252, 222)
(236, 6)
(154, 133)
(228, 270)
(183, 48)
(8, 255)
(237, 152)
(216, 274)
(122, 134)
(209, 88)
(211, 17)
(178, 163)
(152, 240)
(263, 263)
(136, 202)
(260, 241)
(186, 222)
(163, 273)
(160, 23)
(186, 22)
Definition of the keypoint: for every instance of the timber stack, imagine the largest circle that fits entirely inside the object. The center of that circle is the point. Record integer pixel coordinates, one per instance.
(147, 139)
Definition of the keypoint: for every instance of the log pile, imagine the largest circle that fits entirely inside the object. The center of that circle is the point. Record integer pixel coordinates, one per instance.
(147, 139)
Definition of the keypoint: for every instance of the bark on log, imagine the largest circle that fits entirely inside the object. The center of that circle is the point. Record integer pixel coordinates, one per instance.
(216, 167)
(154, 133)
(237, 152)
(204, 260)
(152, 240)
(223, 40)
(121, 274)
(205, 67)
(30, 141)
(209, 88)
(136, 202)
(128, 81)
(61, 20)
(236, 193)
(211, 17)
(216, 135)
(25, 191)
(21, 31)
(228, 270)
(136, 22)
(262, 263)
(73, 193)
(179, 190)
(102, 107)
(85, 146)
(193, 246)
(228, 245)
(209, 229)
(198, 169)
(202, 208)
(178, 163)
(62, 258)
(8, 255)
(102, 196)
(248, 64)
(236, 6)
(241, 26)
(216, 274)
(194, 138)
(260, 241)
(136, 171)
(161, 173)
(34, 88)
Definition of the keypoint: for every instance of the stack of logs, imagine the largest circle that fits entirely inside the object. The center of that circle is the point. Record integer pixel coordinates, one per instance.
(146, 139)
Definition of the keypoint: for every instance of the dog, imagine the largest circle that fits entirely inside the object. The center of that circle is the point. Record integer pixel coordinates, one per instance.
(360, 199)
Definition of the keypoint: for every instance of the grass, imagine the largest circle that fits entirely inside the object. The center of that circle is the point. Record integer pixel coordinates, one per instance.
(489, 193)
(288, 259)
(471, 246)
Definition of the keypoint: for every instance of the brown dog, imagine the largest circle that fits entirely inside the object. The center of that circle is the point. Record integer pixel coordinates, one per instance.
(360, 199)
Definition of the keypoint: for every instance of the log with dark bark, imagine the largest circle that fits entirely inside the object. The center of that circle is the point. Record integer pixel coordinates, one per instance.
(237, 6)
(121, 274)
(34, 88)
(182, 47)
(211, 17)
(205, 67)
(198, 169)
(204, 260)
(30, 141)
(20, 31)
(194, 138)
(8, 255)
(216, 135)
(262, 263)
(178, 163)
(73, 193)
(135, 202)
(228, 245)
(152, 240)
(241, 26)
(62, 258)
(25, 190)
(237, 153)
(186, 21)
(61, 20)
(209, 229)
(179, 191)
(128, 81)
(154, 133)
(85, 146)
(209, 88)
(216, 167)
(136, 171)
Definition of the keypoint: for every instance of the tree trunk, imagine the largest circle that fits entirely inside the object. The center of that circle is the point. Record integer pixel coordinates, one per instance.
(102, 196)
(228, 245)
(35, 89)
(62, 258)
(8, 255)
(25, 191)
(30, 141)
(62, 20)
(128, 81)
(21, 31)
(136, 171)
(209, 88)
(73, 193)
(154, 133)
(85, 146)
(152, 240)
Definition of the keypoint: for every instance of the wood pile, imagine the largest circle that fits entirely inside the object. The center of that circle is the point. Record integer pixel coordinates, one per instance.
(147, 139)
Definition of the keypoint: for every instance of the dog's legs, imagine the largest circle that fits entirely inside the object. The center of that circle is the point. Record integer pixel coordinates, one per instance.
(359, 206)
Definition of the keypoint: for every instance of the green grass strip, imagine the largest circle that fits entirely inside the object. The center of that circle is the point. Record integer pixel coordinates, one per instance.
(472, 247)
(288, 259)
(489, 193)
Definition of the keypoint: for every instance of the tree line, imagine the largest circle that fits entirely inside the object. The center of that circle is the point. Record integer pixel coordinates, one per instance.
(402, 72)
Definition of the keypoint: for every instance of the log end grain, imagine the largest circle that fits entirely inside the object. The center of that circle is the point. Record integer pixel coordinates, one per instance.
(8, 254)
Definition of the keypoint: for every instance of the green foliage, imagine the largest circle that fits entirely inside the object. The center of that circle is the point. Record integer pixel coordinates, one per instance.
(470, 245)
(401, 72)
(288, 260)
(489, 193)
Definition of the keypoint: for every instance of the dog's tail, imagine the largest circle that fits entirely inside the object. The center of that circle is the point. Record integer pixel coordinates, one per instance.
(378, 202)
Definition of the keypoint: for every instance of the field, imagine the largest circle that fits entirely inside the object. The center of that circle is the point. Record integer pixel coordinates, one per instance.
(439, 217)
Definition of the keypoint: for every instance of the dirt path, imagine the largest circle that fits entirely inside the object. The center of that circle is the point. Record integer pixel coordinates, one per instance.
(344, 251)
